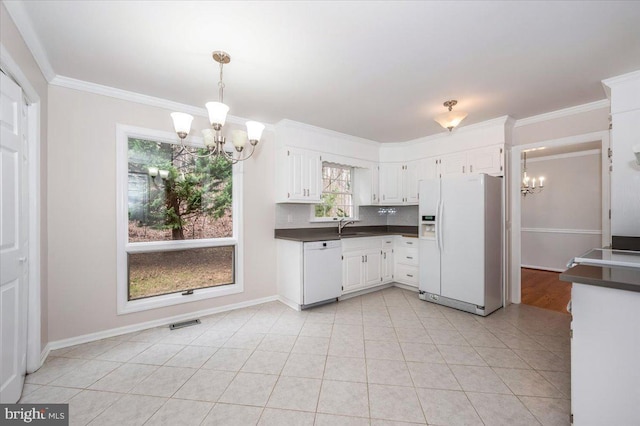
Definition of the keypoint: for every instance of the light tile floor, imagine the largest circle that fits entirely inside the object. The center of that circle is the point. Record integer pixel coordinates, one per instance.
(379, 359)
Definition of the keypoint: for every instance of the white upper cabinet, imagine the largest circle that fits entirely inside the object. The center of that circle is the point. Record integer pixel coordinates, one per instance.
(302, 176)
(410, 182)
(375, 184)
(454, 164)
(399, 183)
(486, 160)
(391, 183)
(428, 168)
(489, 160)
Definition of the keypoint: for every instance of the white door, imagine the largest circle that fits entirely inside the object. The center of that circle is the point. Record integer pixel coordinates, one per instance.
(13, 242)
(462, 244)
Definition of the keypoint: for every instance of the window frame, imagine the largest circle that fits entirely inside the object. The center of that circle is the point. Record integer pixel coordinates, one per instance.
(123, 246)
(354, 206)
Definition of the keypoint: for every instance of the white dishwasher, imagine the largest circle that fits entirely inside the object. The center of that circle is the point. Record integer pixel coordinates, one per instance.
(322, 279)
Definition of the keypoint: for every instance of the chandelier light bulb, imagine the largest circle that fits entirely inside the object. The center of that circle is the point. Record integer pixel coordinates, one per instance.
(209, 137)
(254, 131)
(182, 123)
(217, 114)
(239, 138)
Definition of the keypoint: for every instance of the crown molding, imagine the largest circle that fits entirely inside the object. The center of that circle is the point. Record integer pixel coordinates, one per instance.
(321, 130)
(565, 155)
(25, 27)
(613, 81)
(566, 112)
(125, 95)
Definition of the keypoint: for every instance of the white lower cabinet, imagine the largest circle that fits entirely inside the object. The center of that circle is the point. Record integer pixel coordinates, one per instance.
(406, 261)
(362, 263)
(352, 271)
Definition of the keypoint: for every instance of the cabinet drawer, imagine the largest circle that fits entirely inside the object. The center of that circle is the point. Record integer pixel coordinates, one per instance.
(407, 242)
(406, 274)
(408, 256)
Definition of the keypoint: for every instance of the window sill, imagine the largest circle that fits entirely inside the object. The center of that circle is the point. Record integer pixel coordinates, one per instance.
(130, 306)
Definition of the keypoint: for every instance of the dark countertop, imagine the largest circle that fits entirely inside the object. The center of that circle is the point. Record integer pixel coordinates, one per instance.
(325, 234)
(611, 277)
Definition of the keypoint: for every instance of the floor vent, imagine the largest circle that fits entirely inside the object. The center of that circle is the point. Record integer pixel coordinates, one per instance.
(184, 324)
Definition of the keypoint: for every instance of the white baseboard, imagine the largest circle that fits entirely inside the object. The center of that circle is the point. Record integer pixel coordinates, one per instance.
(43, 356)
(365, 291)
(544, 268)
(406, 287)
(99, 335)
(289, 303)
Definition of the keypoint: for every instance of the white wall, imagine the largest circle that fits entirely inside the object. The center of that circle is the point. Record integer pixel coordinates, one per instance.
(625, 177)
(14, 43)
(82, 214)
(563, 220)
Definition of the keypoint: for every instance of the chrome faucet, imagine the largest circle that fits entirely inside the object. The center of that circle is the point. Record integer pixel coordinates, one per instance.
(342, 224)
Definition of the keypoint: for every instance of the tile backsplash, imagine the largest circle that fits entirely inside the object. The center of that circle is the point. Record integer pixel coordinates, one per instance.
(298, 216)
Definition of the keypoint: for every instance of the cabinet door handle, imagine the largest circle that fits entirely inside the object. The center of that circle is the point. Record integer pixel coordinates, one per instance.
(385, 255)
(462, 169)
(365, 258)
(409, 257)
(374, 197)
(383, 197)
(410, 243)
(410, 276)
(471, 168)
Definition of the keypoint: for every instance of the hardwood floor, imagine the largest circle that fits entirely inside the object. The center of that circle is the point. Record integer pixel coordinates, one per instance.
(544, 289)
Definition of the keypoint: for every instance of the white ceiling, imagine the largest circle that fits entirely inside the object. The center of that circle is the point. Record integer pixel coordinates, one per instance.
(379, 70)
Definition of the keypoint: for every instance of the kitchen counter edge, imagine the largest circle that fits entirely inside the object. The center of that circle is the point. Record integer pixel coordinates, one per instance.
(618, 278)
(305, 235)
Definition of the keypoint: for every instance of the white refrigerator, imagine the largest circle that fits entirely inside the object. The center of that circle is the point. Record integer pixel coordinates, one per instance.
(460, 225)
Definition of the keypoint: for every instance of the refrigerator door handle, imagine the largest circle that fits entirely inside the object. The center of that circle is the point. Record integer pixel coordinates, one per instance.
(440, 225)
(437, 226)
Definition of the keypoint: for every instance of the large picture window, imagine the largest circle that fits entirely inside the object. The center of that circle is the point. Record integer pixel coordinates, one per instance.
(337, 192)
(179, 236)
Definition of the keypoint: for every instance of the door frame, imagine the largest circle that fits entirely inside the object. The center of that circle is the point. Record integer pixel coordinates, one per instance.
(34, 335)
(515, 259)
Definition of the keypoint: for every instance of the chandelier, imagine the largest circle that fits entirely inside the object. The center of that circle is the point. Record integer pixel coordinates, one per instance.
(213, 139)
(450, 119)
(529, 184)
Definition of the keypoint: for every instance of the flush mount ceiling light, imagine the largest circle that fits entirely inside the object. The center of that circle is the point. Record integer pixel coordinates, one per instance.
(452, 118)
(213, 139)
